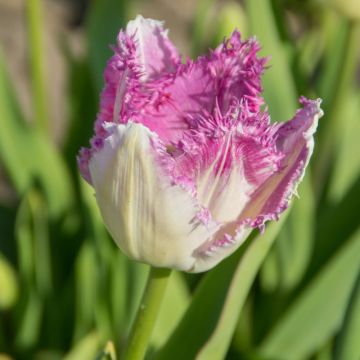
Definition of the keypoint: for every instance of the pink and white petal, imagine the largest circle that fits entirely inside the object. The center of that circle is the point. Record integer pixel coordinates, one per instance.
(221, 184)
(237, 70)
(295, 140)
(149, 219)
(224, 196)
(116, 77)
(233, 178)
(189, 92)
(224, 170)
(154, 51)
(229, 74)
(219, 247)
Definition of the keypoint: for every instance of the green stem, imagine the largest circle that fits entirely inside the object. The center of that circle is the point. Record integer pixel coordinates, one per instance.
(147, 313)
(36, 53)
(328, 137)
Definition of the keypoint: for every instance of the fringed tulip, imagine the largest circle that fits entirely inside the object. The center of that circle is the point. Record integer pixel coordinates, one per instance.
(184, 161)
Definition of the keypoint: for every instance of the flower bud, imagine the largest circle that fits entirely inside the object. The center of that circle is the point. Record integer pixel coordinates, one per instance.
(184, 161)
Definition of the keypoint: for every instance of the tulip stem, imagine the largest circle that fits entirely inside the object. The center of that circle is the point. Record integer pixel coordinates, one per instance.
(147, 313)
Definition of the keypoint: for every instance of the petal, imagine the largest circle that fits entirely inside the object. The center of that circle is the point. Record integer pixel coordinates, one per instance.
(238, 70)
(295, 140)
(174, 100)
(225, 160)
(219, 247)
(229, 74)
(155, 52)
(149, 219)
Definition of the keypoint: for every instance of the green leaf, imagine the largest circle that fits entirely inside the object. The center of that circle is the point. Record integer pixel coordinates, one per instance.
(87, 348)
(13, 140)
(328, 140)
(288, 259)
(279, 88)
(317, 313)
(35, 268)
(206, 315)
(217, 345)
(335, 226)
(49, 167)
(348, 345)
(291, 253)
(346, 168)
(104, 20)
(24, 241)
(35, 31)
(202, 314)
(86, 289)
(33, 243)
(108, 353)
(27, 154)
(325, 352)
(28, 328)
(231, 16)
(201, 27)
(334, 30)
(8, 284)
(83, 104)
(94, 226)
(102, 249)
(41, 243)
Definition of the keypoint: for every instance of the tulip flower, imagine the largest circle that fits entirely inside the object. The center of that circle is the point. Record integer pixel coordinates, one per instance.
(184, 161)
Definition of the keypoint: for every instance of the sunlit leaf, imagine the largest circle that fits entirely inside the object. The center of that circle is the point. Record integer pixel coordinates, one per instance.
(13, 140)
(317, 313)
(87, 348)
(86, 290)
(206, 316)
(348, 346)
(104, 20)
(282, 102)
(240, 285)
(8, 284)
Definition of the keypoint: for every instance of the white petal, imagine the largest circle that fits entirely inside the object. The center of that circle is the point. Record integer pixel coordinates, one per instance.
(225, 196)
(149, 219)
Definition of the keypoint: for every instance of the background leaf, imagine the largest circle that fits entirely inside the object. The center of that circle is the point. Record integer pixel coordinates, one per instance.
(318, 312)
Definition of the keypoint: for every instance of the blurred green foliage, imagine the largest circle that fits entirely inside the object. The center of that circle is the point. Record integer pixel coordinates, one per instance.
(66, 292)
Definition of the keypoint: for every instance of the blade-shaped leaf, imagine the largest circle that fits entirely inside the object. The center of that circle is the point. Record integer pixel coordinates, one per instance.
(8, 284)
(206, 315)
(27, 154)
(104, 20)
(318, 312)
(336, 225)
(291, 253)
(348, 346)
(216, 347)
(282, 99)
(86, 290)
(289, 257)
(87, 348)
(347, 165)
(13, 142)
